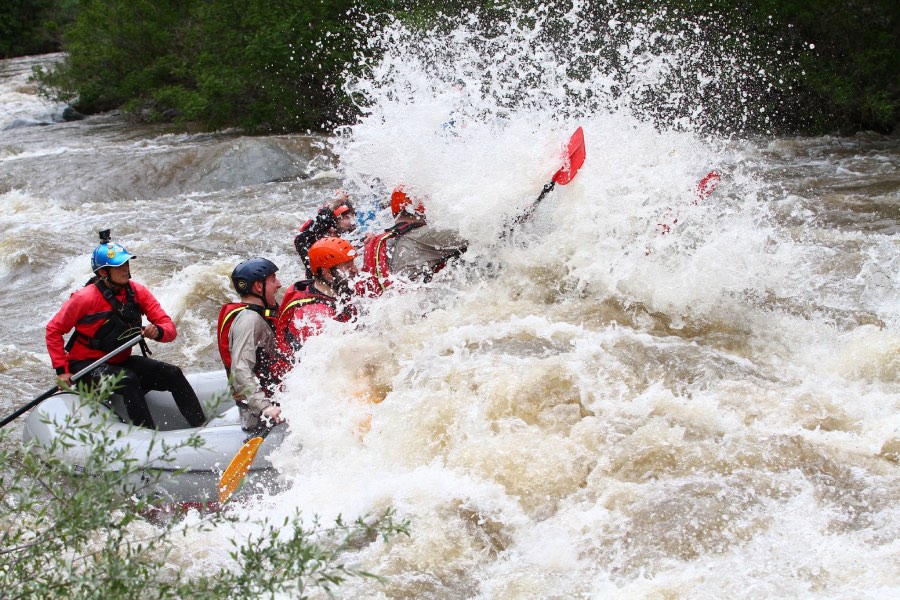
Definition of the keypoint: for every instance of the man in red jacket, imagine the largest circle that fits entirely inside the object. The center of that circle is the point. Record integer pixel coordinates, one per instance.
(105, 314)
(308, 305)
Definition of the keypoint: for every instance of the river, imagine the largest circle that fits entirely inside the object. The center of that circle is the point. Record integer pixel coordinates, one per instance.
(593, 408)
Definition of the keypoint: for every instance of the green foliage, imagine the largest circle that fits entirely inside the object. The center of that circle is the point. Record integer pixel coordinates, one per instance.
(116, 52)
(853, 72)
(256, 64)
(33, 26)
(77, 532)
(283, 560)
(276, 65)
(279, 66)
(847, 57)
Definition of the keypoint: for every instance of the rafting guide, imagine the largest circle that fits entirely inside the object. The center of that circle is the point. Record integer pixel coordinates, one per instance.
(104, 314)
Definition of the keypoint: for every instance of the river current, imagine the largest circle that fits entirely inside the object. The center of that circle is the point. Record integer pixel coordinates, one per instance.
(638, 394)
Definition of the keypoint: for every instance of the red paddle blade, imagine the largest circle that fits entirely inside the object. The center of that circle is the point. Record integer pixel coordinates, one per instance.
(707, 185)
(574, 159)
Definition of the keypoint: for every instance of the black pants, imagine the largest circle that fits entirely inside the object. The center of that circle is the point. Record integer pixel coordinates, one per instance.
(141, 374)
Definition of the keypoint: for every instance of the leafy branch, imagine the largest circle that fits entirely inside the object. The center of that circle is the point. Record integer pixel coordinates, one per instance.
(77, 530)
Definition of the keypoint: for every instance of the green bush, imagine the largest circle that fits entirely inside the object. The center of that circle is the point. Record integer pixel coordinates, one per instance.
(33, 26)
(256, 64)
(279, 66)
(849, 79)
(71, 531)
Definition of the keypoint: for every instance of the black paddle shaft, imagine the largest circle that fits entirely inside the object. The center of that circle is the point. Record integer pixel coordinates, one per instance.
(262, 430)
(530, 210)
(74, 378)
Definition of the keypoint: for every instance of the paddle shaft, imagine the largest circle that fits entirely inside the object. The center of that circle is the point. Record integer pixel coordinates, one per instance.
(262, 430)
(530, 210)
(74, 378)
(574, 159)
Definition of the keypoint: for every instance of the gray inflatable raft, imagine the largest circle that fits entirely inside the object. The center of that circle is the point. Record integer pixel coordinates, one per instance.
(191, 475)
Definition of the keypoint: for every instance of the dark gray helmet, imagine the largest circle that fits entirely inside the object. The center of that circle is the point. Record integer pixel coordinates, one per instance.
(252, 269)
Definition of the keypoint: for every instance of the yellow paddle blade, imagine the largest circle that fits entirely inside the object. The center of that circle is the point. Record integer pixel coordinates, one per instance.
(237, 469)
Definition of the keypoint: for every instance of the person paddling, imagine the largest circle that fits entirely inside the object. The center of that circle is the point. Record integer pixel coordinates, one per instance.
(105, 313)
(335, 218)
(309, 304)
(410, 249)
(246, 339)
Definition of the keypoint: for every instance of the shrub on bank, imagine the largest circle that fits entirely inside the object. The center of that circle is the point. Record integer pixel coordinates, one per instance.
(280, 66)
(71, 531)
(255, 64)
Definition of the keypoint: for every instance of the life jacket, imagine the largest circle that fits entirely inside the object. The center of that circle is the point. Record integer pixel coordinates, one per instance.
(108, 330)
(226, 319)
(286, 341)
(376, 261)
(299, 295)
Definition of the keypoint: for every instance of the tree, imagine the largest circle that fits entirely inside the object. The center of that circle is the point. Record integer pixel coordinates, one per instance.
(33, 26)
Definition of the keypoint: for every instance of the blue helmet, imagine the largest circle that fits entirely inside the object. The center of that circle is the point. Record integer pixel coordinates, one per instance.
(252, 269)
(109, 254)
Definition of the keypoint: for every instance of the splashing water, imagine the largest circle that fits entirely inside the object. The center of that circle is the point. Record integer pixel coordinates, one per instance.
(602, 409)
(589, 408)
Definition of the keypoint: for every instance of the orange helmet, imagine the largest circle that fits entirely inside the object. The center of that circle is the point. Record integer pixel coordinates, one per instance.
(330, 252)
(400, 201)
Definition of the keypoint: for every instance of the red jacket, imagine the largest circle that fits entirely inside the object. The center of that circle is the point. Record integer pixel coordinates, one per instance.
(83, 312)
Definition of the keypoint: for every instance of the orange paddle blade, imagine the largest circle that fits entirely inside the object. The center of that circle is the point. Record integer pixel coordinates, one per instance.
(574, 159)
(238, 468)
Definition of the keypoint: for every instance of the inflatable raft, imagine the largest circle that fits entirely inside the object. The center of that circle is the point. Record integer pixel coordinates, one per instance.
(185, 475)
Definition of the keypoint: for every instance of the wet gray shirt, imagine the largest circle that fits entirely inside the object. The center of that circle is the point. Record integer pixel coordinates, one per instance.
(249, 332)
(422, 249)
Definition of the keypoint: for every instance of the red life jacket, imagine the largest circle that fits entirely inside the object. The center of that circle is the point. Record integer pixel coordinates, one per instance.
(286, 342)
(226, 319)
(376, 261)
(107, 330)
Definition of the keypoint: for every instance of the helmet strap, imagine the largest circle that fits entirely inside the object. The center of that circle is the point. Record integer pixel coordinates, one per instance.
(103, 275)
(262, 294)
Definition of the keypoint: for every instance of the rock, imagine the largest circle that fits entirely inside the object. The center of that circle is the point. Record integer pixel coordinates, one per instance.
(70, 114)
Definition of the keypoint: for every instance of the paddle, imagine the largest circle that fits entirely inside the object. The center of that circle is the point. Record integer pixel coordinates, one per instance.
(240, 465)
(74, 378)
(707, 186)
(574, 159)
